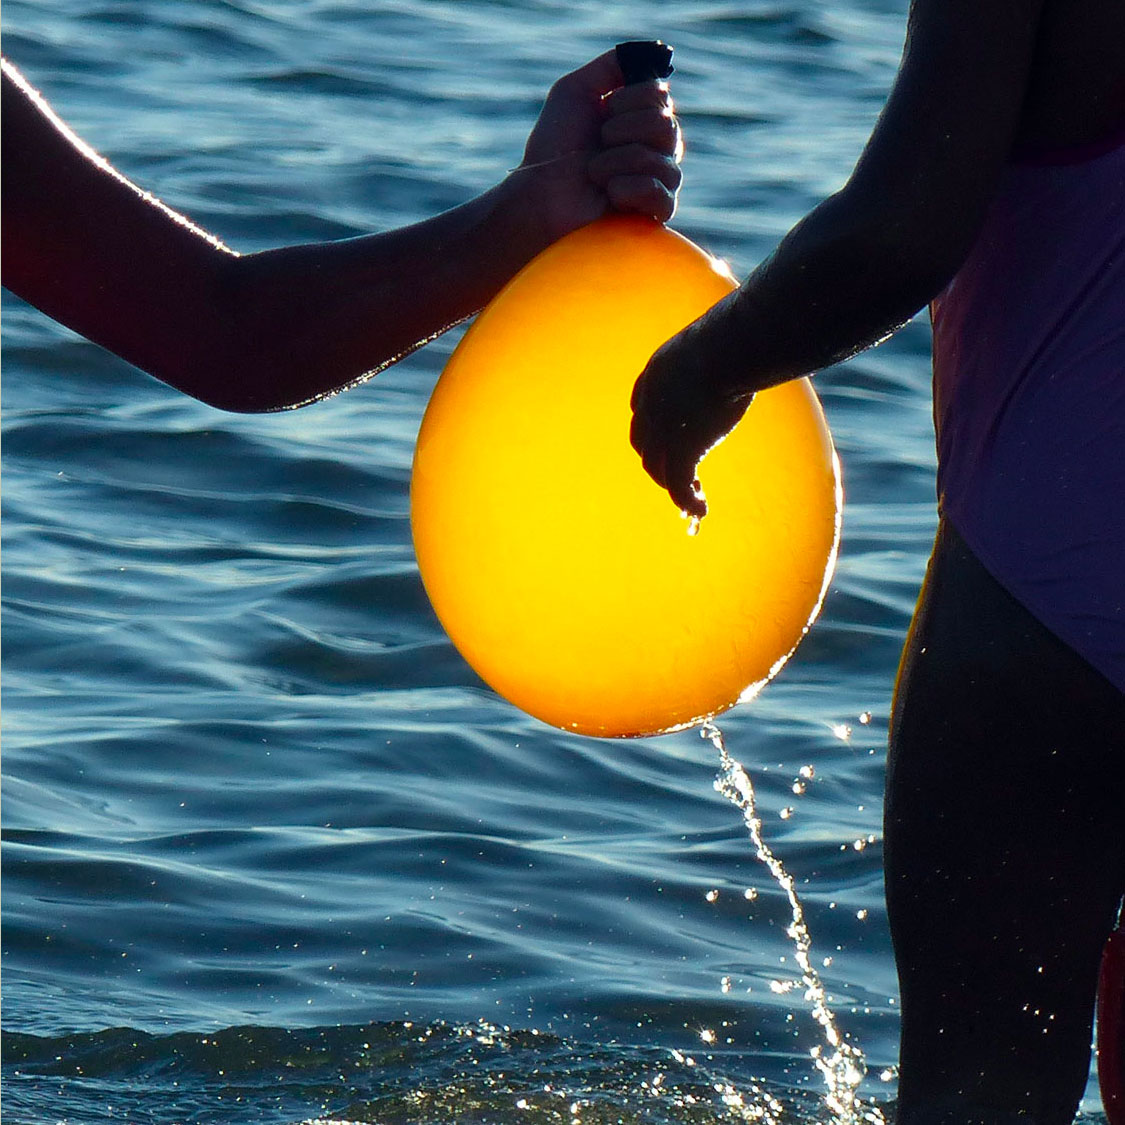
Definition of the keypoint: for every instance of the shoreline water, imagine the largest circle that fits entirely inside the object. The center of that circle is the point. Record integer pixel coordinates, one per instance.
(248, 782)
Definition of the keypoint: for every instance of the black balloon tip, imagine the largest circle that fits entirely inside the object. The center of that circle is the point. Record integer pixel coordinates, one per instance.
(644, 60)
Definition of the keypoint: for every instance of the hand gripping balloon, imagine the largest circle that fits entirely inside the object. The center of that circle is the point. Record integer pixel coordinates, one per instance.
(558, 568)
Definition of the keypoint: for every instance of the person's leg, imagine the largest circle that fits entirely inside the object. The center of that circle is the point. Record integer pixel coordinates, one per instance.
(1005, 853)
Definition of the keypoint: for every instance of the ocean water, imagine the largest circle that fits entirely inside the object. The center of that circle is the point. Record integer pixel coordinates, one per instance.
(272, 852)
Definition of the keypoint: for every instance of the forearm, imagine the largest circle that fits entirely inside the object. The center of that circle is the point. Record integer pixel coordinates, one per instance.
(311, 320)
(248, 333)
(843, 279)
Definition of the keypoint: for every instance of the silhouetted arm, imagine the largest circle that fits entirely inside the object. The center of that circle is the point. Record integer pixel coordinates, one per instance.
(869, 257)
(284, 327)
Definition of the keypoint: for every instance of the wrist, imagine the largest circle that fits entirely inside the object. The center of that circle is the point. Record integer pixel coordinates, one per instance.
(492, 236)
(555, 196)
(723, 340)
(524, 206)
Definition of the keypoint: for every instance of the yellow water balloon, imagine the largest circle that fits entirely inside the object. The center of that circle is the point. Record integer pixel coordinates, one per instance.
(560, 571)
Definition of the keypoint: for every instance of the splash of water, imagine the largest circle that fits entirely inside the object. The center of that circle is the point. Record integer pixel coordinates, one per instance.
(842, 1065)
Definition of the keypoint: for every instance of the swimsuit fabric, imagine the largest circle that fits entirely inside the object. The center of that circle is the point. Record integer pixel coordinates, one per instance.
(1029, 398)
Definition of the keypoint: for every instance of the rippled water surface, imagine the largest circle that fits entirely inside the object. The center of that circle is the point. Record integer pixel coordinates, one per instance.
(272, 851)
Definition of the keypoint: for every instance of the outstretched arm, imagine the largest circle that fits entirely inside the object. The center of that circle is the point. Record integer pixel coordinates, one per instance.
(285, 327)
(869, 257)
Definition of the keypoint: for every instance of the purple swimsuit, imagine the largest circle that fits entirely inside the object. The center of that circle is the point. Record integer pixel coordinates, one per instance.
(1029, 398)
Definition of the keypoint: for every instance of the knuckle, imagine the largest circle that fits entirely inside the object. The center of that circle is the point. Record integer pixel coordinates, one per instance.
(671, 175)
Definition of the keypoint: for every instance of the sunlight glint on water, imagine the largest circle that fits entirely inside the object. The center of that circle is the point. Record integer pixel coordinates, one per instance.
(843, 1067)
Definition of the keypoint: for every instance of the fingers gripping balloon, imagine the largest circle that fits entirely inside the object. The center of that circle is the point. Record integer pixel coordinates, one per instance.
(558, 568)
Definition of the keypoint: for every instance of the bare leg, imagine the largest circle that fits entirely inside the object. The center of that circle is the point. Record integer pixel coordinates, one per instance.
(1005, 853)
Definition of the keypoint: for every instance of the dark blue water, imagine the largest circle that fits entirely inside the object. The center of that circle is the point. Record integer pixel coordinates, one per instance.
(272, 852)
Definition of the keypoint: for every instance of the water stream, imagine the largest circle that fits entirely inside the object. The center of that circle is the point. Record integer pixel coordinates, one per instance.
(840, 1062)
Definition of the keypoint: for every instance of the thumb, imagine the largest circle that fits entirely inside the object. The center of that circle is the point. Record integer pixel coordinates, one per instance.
(591, 82)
